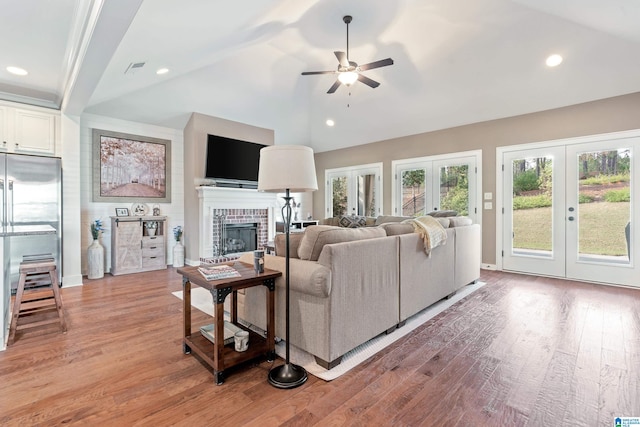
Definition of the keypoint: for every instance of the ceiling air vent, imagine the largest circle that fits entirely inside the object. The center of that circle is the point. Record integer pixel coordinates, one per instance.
(133, 67)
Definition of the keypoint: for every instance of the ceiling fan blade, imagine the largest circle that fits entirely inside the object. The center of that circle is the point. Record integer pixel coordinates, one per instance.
(376, 64)
(366, 80)
(308, 73)
(334, 87)
(342, 59)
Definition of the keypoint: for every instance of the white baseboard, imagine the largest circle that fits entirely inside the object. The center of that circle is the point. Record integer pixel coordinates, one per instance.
(492, 267)
(70, 281)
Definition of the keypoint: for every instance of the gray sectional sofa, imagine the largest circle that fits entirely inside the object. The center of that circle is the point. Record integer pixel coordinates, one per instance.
(349, 285)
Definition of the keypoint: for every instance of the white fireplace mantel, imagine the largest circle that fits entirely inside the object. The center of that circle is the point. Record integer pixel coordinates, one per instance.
(210, 198)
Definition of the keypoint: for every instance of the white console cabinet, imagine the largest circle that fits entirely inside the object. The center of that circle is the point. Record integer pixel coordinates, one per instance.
(133, 246)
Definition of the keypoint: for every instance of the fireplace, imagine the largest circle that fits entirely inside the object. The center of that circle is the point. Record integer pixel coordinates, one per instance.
(231, 206)
(239, 238)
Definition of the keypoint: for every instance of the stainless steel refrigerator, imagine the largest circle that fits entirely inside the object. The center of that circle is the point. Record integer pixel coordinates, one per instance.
(31, 214)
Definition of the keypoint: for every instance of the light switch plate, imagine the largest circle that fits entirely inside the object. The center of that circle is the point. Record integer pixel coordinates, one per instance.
(488, 196)
(488, 205)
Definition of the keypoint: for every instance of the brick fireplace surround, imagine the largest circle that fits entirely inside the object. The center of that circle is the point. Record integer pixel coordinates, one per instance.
(239, 206)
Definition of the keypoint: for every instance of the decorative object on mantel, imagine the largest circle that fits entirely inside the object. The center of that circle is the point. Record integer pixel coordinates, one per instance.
(139, 209)
(298, 176)
(152, 227)
(178, 249)
(296, 208)
(95, 252)
(156, 210)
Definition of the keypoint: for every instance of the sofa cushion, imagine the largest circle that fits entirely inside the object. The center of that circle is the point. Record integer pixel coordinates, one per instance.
(460, 221)
(280, 244)
(396, 228)
(329, 221)
(352, 221)
(316, 236)
(383, 219)
(444, 222)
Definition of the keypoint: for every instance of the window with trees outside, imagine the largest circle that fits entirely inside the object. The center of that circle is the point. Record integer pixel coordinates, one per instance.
(435, 183)
(354, 190)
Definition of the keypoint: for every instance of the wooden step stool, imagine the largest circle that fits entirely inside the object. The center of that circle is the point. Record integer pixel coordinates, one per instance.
(38, 292)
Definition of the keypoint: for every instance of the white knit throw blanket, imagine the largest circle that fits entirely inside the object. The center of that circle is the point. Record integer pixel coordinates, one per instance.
(430, 230)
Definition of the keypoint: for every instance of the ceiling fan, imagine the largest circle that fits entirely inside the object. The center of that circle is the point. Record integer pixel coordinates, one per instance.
(348, 71)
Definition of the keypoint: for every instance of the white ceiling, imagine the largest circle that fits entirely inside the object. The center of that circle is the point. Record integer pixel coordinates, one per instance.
(456, 62)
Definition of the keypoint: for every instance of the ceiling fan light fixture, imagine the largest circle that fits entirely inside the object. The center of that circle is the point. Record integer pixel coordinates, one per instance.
(554, 60)
(348, 77)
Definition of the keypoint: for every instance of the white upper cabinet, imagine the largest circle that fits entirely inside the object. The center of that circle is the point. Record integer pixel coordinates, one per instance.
(29, 131)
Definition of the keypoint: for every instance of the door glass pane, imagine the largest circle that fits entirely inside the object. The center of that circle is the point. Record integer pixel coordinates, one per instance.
(366, 195)
(604, 205)
(454, 189)
(339, 188)
(413, 192)
(532, 206)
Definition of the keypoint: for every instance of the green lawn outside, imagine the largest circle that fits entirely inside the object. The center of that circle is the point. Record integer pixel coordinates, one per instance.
(601, 228)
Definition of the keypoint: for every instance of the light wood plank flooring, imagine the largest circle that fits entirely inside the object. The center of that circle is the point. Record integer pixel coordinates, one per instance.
(520, 351)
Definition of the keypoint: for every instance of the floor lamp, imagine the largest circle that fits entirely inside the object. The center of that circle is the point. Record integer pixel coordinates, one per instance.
(288, 169)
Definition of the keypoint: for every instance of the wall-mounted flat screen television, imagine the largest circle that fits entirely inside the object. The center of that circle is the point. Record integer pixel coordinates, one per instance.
(231, 160)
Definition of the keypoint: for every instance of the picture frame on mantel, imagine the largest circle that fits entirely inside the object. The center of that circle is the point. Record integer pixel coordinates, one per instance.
(130, 168)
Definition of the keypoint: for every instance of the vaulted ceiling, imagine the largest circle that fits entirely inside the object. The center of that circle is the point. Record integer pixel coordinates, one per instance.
(456, 62)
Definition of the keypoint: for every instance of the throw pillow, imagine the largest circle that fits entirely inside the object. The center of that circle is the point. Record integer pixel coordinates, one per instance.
(442, 214)
(352, 221)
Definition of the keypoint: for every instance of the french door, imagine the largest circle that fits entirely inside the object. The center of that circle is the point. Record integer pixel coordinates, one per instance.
(569, 210)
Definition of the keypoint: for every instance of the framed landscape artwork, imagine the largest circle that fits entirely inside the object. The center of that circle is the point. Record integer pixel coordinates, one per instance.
(130, 167)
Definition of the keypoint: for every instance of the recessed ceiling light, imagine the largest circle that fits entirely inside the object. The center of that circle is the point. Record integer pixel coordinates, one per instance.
(162, 71)
(17, 71)
(330, 122)
(554, 60)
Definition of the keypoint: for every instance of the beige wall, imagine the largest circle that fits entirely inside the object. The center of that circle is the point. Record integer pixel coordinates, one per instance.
(608, 115)
(195, 153)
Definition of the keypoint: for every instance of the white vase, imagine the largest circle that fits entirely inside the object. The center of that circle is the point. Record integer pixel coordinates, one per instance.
(151, 231)
(178, 255)
(95, 260)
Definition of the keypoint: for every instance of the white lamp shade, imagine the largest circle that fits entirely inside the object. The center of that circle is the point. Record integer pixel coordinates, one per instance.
(287, 167)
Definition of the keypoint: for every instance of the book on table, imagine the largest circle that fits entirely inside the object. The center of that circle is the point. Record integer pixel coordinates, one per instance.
(217, 272)
(208, 331)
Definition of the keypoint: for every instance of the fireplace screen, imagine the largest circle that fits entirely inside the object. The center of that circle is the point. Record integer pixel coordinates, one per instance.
(239, 238)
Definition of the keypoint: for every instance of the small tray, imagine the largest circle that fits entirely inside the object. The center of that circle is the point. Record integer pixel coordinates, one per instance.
(208, 331)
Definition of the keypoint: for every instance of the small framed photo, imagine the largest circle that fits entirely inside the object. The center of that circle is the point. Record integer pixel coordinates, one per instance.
(122, 211)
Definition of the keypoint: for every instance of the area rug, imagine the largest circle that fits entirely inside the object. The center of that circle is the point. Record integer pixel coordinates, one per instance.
(202, 300)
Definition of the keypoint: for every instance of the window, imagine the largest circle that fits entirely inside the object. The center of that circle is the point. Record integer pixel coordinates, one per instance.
(355, 190)
(448, 182)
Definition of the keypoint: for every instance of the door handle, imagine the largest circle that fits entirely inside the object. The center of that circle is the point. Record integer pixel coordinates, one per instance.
(10, 203)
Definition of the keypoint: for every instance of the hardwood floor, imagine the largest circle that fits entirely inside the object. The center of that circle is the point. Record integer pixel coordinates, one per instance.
(520, 351)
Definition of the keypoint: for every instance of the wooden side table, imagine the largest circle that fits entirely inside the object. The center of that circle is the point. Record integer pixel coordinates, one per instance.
(217, 355)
